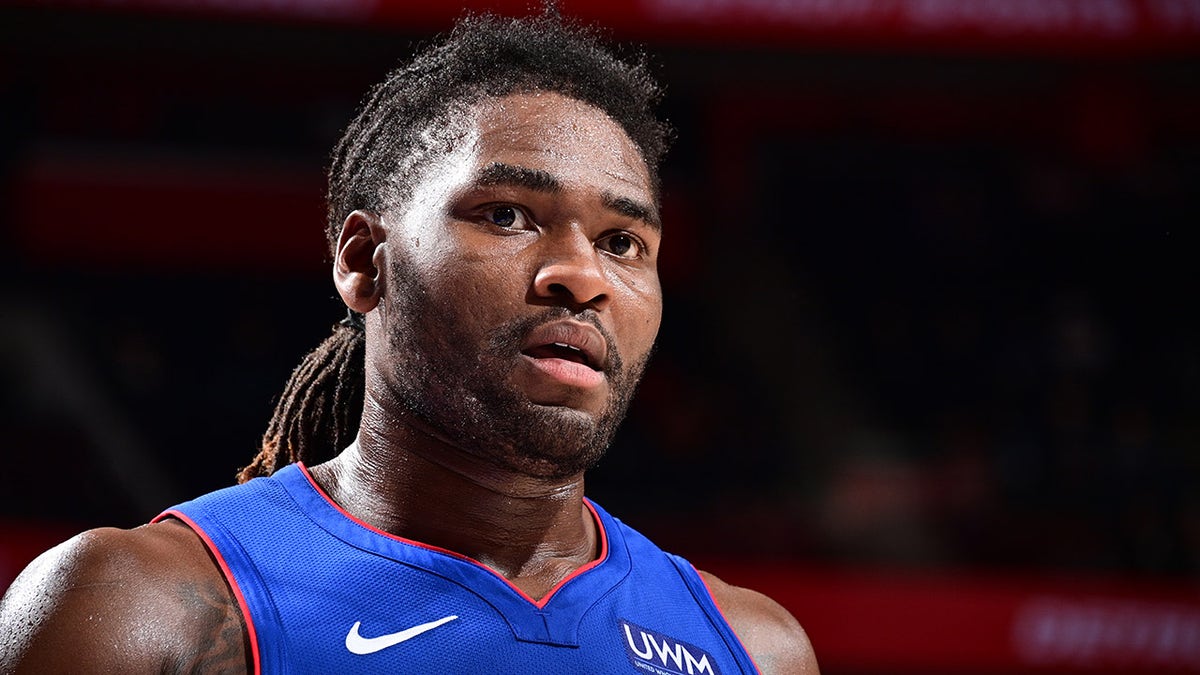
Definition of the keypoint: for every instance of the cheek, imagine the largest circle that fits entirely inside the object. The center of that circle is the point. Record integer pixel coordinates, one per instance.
(483, 286)
(458, 261)
(653, 320)
(491, 275)
(644, 300)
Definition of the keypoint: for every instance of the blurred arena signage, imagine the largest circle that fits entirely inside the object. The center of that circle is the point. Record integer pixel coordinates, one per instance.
(1152, 26)
(1094, 632)
(961, 622)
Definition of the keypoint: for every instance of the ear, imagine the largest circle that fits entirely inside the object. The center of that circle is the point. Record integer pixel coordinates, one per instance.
(356, 266)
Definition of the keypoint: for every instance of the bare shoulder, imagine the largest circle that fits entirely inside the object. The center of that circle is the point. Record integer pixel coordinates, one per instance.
(149, 599)
(768, 631)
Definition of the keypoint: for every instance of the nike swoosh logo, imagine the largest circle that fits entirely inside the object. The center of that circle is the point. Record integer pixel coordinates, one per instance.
(358, 644)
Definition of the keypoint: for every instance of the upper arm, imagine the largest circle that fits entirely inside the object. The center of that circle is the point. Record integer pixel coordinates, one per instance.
(145, 600)
(769, 632)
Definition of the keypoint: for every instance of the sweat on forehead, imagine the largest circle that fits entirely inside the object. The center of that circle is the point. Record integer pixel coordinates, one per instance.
(536, 141)
(451, 133)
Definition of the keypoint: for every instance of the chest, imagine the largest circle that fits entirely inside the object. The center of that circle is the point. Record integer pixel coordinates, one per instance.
(373, 615)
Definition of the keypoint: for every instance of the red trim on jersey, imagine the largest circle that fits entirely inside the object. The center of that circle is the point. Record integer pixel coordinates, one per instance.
(536, 603)
(725, 618)
(237, 592)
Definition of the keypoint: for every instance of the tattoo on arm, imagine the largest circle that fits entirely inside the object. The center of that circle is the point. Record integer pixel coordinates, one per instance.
(221, 644)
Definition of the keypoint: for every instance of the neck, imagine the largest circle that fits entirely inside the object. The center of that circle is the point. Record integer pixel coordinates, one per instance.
(402, 479)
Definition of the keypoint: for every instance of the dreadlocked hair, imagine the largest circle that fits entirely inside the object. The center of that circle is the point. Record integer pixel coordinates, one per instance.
(318, 412)
(411, 118)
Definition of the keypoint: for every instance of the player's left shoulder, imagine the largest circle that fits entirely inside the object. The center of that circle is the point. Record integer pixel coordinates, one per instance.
(775, 640)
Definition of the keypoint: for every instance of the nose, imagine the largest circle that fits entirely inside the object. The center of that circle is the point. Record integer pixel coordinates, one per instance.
(571, 273)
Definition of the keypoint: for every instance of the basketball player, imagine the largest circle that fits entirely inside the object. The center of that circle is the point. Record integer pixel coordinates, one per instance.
(494, 227)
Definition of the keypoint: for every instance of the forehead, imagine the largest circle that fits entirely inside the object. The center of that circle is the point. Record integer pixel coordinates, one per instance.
(571, 140)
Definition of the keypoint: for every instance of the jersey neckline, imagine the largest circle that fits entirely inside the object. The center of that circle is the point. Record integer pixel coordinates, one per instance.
(560, 609)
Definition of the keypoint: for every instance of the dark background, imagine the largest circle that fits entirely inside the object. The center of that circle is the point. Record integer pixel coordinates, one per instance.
(930, 304)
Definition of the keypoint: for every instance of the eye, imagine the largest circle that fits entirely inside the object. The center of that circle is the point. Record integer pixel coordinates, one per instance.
(622, 245)
(507, 217)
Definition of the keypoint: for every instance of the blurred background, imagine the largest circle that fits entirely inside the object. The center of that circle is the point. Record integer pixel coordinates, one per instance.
(928, 373)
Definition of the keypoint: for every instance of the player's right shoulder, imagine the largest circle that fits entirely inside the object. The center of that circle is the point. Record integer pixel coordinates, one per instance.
(149, 599)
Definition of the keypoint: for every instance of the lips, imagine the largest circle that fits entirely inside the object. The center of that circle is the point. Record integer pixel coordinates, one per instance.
(569, 341)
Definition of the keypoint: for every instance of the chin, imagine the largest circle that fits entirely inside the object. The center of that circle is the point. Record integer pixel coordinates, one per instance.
(551, 442)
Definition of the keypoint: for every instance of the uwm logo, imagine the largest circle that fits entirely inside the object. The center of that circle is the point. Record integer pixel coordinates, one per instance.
(656, 653)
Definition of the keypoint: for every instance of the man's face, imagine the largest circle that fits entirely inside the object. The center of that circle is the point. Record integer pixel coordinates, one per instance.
(522, 296)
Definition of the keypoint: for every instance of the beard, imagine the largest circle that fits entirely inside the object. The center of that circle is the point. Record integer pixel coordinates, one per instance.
(458, 382)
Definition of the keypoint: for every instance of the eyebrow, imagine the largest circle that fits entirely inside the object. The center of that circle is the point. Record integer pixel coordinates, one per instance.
(632, 209)
(499, 173)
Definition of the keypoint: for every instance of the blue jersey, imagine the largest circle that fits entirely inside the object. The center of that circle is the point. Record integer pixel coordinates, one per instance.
(323, 592)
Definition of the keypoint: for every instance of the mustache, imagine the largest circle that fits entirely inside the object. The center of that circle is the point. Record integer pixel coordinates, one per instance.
(507, 339)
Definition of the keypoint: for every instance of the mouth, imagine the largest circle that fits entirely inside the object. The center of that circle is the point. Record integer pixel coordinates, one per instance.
(570, 341)
(560, 350)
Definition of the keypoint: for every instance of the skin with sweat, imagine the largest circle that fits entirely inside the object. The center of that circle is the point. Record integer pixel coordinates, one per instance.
(511, 306)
